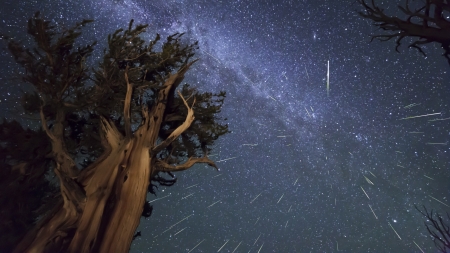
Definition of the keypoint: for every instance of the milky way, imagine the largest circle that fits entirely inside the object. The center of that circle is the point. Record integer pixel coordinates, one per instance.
(309, 172)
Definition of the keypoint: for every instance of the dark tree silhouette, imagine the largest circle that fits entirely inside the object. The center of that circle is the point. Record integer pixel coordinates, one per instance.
(25, 192)
(106, 132)
(438, 229)
(427, 24)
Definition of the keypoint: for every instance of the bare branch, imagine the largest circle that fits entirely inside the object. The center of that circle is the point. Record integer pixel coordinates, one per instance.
(126, 107)
(440, 231)
(165, 167)
(179, 130)
(432, 27)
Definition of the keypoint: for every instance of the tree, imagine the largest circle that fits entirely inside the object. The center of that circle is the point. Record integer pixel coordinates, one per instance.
(437, 228)
(24, 188)
(427, 24)
(110, 130)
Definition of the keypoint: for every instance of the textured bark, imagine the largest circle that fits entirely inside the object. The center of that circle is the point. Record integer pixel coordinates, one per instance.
(101, 206)
(134, 179)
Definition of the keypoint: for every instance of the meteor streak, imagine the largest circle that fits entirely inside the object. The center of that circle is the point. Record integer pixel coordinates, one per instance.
(365, 192)
(213, 203)
(260, 247)
(394, 230)
(257, 239)
(438, 119)
(419, 116)
(418, 247)
(185, 197)
(175, 224)
(255, 198)
(411, 105)
(280, 198)
(179, 231)
(436, 143)
(195, 246)
(226, 159)
(211, 56)
(373, 212)
(428, 177)
(308, 112)
(223, 245)
(328, 78)
(368, 180)
(236, 247)
(438, 200)
(190, 186)
(159, 199)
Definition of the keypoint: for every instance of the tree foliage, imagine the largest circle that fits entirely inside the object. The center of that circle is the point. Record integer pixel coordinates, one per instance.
(26, 193)
(98, 125)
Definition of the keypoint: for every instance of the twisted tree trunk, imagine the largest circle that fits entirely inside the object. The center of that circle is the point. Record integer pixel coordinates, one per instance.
(101, 207)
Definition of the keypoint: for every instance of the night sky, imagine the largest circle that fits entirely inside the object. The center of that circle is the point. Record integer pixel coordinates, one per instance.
(302, 170)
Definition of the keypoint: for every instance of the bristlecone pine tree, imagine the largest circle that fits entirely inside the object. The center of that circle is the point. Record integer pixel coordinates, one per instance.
(108, 132)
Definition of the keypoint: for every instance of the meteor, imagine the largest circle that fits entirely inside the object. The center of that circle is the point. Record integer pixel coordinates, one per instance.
(226, 159)
(328, 78)
(223, 245)
(420, 116)
(255, 198)
(373, 212)
(365, 192)
(280, 198)
(394, 231)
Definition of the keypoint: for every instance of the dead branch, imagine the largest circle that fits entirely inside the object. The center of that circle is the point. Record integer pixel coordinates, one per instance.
(431, 27)
(437, 229)
(179, 130)
(165, 167)
(126, 107)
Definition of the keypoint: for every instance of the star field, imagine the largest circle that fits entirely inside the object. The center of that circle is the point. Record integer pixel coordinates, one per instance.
(302, 171)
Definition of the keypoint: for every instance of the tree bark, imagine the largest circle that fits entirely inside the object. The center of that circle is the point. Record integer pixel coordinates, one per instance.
(101, 206)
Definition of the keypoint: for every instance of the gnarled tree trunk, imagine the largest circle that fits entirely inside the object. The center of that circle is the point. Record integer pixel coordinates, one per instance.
(101, 206)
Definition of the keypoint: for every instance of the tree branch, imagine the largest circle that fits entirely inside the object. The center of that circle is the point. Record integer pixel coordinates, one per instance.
(165, 167)
(179, 130)
(126, 107)
(432, 27)
(44, 124)
(110, 138)
(441, 238)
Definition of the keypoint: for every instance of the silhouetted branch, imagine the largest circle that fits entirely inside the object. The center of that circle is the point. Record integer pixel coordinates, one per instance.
(441, 231)
(161, 181)
(431, 27)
